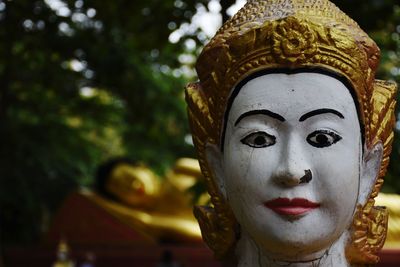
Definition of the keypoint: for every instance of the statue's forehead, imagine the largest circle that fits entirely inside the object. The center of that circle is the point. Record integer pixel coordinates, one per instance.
(292, 94)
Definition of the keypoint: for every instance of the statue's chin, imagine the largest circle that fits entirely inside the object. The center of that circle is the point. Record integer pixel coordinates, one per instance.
(305, 255)
(299, 249)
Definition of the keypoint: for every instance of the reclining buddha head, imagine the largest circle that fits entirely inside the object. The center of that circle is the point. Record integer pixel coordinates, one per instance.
(293, 135)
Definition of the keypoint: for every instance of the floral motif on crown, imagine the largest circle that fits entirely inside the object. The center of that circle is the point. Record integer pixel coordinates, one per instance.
(293, 41)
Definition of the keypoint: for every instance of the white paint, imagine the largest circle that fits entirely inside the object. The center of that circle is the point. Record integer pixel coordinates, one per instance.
(251, 176)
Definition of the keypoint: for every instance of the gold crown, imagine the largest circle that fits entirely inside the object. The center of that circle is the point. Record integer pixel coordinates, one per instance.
(290, 34)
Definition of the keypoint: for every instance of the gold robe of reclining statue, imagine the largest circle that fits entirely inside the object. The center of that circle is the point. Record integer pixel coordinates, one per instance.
(160, 209)
(392, 203)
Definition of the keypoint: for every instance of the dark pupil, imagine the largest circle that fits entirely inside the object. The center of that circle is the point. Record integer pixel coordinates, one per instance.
(321, 139)
(259, 140)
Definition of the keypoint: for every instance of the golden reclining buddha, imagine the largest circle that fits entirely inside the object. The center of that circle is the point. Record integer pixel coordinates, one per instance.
(159, 208)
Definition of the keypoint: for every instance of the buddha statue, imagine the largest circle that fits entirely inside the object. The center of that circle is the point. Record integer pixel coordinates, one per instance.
(293, 135)
(63, 258)
(160, 208)
(131, 205)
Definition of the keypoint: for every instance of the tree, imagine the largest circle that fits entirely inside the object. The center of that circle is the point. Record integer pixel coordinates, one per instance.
(82, 81)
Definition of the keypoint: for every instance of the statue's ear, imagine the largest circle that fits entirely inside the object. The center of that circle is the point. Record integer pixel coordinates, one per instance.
(371, 164)
(214, 161)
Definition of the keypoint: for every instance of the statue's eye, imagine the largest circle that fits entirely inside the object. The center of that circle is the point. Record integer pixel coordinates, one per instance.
(259, 139)
(323, 138)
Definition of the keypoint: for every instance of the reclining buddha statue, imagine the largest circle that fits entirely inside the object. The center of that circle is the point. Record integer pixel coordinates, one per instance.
(293, 134)
(131, 204)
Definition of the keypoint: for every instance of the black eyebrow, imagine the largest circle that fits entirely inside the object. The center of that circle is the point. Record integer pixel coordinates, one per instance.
(262, 112)
(321, 111)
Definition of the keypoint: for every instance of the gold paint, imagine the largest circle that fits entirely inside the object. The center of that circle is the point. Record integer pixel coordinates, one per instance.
(392, 202)
(134, 185)
(63, 248)
(185, 173)
(270, 34)
(154, 226)
(160, 209)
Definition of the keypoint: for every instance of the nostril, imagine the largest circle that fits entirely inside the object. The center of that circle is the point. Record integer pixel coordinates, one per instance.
(288, 180)
(293, 178)
(306, 178)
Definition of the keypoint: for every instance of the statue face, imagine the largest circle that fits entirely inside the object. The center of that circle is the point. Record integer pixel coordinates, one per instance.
(292, 161)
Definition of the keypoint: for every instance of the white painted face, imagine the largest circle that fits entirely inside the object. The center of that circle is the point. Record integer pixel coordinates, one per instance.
(292, 161)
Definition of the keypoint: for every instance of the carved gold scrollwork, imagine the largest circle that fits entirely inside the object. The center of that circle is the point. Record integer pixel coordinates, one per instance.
(293, 41)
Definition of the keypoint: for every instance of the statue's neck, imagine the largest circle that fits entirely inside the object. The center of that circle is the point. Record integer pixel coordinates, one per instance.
(249, 254)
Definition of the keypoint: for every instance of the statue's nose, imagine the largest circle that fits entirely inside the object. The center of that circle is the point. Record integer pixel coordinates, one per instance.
(289, 179)
(293, 168)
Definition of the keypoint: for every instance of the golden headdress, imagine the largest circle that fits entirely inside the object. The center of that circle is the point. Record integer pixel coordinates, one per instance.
(290, 34)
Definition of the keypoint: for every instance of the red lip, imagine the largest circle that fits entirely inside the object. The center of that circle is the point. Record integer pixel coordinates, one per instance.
(296, 206)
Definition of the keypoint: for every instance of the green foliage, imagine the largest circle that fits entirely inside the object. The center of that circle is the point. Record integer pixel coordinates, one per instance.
(77, 89)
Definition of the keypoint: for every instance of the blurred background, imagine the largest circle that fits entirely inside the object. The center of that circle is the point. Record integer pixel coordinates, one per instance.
(85, 81)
